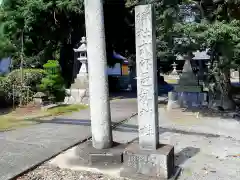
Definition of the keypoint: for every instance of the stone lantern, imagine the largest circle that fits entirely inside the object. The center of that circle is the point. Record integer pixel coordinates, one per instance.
(174, 72)
(81, 82)
(82, 50)
(39, 98)
(78, 92)
(173, 76)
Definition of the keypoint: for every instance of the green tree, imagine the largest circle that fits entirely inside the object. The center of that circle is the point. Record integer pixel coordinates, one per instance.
(53, 84)
(166, 16)
(200, 25)
(45, 26)
(51, 29)
(218, 31)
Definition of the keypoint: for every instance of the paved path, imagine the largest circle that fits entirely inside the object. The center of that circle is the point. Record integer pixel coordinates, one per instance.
(24, 148)
(203, 152)
(206, 149)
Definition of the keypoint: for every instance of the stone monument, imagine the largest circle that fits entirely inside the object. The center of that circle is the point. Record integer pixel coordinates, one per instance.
(78, 92)
(148, 159)
(188, 81)
(189, 92)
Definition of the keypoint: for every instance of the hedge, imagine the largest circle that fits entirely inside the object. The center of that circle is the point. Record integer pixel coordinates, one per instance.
(11, 84)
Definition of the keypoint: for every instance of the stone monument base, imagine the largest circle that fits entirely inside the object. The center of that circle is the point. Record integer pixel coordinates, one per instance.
(79, 91)
(101, 157)
(149, 164)
(76, 96)
(192, 99)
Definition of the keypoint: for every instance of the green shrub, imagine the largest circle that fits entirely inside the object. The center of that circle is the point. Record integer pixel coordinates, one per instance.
(11, 84)
(3, 102)
(53, 83)
(31, 77)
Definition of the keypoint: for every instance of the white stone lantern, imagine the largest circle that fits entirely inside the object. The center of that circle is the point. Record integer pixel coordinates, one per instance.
(174, 65)
(82, 50)
(174, 73)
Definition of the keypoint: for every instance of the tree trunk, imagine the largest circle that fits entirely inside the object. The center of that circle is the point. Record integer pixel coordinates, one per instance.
(225, 87)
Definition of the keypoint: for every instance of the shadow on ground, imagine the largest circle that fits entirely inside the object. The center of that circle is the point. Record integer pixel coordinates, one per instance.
(214, 113)
(4, 111)
(124, 127)
(123, 95)
(185, 154)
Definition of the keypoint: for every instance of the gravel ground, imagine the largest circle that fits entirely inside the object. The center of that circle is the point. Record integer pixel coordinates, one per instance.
(50, 172)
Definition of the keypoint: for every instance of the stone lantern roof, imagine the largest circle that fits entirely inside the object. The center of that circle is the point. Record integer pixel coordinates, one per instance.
(39, 95)
(83, 47)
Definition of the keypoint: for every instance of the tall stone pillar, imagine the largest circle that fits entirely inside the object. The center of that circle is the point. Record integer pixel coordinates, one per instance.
(98, 80)
(146, 64)
(148, 159)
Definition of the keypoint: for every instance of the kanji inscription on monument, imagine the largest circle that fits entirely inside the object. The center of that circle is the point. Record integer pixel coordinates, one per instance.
(146, 77)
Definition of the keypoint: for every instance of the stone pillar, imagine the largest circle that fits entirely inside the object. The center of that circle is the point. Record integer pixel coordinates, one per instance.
(148, 159)
(146, 77)
(98, 80)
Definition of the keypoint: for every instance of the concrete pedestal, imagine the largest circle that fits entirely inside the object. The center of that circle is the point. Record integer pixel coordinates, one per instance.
(101, 157)
(79, 91)
(149, 164)
(192, 99)
(77, 96)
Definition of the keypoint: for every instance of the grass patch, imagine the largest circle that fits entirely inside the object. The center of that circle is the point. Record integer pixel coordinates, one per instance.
(9, 124)
(65, 109)
(14, 120)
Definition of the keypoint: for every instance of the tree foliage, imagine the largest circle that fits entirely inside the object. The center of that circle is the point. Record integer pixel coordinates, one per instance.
(53, 84)
(188, 25)
(44, 25)
(52, 28)
(11, 88)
